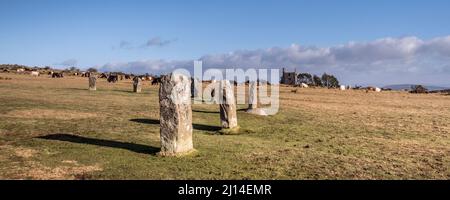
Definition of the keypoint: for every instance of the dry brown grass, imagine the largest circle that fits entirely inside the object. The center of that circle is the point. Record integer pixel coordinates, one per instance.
(27, 168)
(19, 151)
(36, 171)
(113, 133)
(49, 114)
(40, 172)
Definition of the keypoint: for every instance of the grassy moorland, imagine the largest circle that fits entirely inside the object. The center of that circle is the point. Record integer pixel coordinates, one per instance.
(57, 129)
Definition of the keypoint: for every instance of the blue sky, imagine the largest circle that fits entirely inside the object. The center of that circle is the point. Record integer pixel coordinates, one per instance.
(150, 35)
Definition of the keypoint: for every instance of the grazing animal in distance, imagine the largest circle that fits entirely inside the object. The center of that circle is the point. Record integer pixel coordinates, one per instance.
(304, 85)
(86, 74)
(34, 73)
(370, 88)
(113, 78)
(103, 75)
(57, 75)
(419, 89)
(343, 87)
(156, 81)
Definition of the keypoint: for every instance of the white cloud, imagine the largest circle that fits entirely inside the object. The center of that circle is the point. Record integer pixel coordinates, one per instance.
(144, 66)
(438, 46)
(416, 60)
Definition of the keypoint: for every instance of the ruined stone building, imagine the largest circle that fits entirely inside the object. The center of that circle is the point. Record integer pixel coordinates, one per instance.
(289, 78)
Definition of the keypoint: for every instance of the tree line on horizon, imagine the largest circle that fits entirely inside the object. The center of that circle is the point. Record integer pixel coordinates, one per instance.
(326, 80)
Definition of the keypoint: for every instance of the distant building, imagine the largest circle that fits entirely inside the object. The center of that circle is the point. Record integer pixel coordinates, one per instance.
(289, 78)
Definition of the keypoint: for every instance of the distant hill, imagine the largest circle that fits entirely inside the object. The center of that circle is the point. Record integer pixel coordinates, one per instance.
(408, 87)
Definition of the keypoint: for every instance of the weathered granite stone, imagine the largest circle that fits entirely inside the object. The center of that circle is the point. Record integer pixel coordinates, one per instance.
(137, 84)
(253, 101)
(253, 96)
(92, 83)
(228, 116)
(175, 114)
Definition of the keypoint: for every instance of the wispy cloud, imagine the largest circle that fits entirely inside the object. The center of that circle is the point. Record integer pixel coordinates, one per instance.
(152, 42)
(69, 62)
(158, 42)
(125, 45)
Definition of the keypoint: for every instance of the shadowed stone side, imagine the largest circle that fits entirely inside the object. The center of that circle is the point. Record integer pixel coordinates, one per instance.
(92, 83)
(137, 84)
(175, 115)
(228, 116)
(196, 88)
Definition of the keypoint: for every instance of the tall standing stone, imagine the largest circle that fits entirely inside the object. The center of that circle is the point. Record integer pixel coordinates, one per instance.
(228, 116)
(137, 84)
(175, 114)
(92, 82)
(253, 95)
(253, 100)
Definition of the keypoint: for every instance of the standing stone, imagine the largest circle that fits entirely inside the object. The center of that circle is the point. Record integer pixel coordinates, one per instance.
(196, 88)
(175, 114)
(253, 96)
(137, 84)
(92, 83)
(228, 116)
